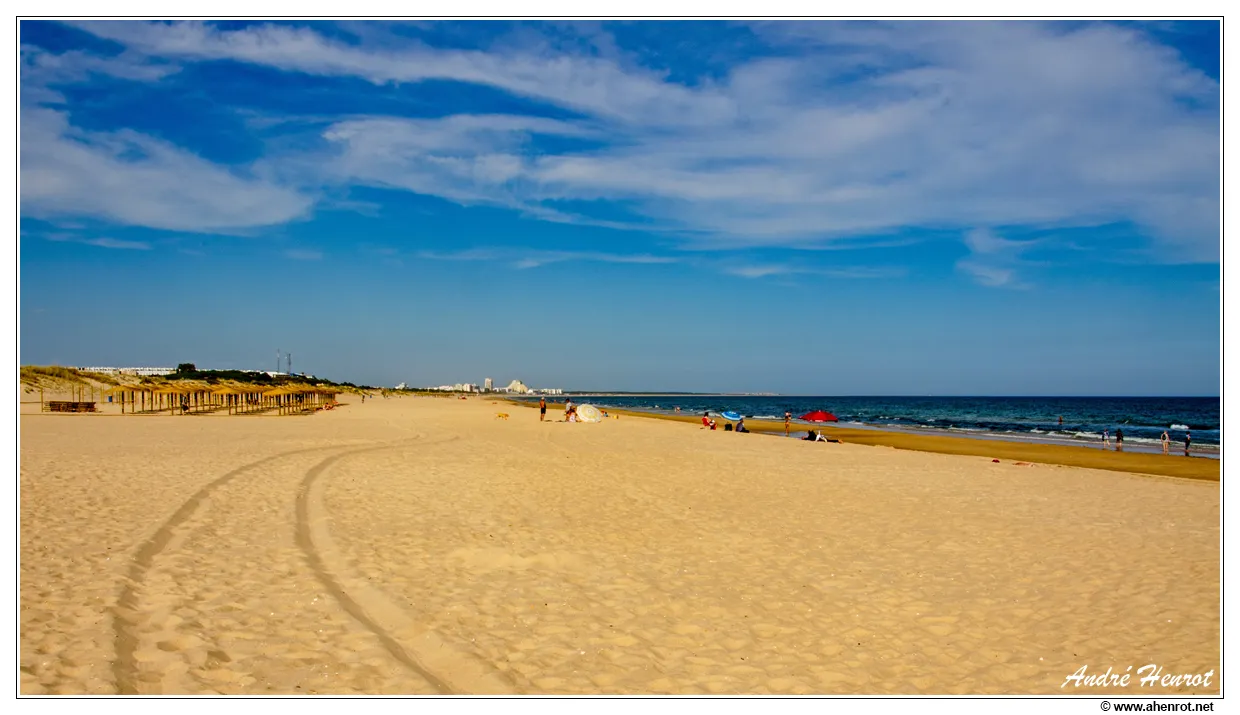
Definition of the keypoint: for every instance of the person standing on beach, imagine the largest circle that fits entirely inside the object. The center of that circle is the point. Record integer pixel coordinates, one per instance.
(1166, 440)
(1119, 440)
(1106, 439)
(542, 408)
(787, 423)
(1188, 439)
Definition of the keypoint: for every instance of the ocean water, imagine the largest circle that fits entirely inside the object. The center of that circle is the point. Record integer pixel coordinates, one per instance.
(1142, 419)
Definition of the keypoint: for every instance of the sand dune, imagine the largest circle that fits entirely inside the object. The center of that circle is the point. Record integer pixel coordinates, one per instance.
(419, 545)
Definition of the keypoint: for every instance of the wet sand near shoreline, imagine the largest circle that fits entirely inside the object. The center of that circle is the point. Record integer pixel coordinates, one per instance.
(1137, 461)
(424, 545)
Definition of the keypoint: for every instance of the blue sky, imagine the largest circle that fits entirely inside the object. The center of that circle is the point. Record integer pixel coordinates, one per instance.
(796, 207)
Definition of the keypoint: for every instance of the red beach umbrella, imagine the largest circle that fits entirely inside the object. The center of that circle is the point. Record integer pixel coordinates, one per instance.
(819, 416)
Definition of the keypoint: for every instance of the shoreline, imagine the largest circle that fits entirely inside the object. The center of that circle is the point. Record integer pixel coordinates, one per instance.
(996, 447)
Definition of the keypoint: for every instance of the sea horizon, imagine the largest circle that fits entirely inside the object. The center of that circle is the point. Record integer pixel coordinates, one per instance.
(893, 395)
(1084, 421)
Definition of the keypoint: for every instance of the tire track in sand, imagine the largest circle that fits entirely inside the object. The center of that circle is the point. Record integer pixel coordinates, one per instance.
(418, 648)
(124, 670)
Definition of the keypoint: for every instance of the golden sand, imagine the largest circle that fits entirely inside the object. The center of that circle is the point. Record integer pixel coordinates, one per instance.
(422, 545)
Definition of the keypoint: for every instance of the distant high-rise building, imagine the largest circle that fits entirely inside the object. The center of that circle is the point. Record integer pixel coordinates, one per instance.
(488, 385)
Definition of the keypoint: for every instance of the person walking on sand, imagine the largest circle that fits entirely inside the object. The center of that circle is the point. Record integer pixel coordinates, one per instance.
(1166, 441)
(1188, 440)
(1106, 439)
(787, 423)
(542, 408)
(1119, 440)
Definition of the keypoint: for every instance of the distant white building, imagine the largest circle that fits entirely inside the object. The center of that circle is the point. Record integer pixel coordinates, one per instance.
(139, 371)
(402, 386)
(488, 385)
(550, 391)
(518, 387)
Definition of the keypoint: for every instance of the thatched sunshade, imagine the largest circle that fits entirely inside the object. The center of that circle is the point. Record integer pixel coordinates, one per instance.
(239, 399)
(136, 395)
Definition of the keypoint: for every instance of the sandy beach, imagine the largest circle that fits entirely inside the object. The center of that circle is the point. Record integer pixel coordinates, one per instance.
(424, 545)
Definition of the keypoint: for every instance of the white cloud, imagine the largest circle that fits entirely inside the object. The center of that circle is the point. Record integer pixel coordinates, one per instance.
(138, 180)
(102, 242)
(527, 258)
(846, 272)
(593, 85)
(992, 276)
(757, 271)
(40, 67)
(863, 129)
(472, 254)
(984, 241)
(993, 260)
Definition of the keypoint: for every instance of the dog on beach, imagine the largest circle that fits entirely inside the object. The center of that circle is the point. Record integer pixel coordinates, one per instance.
(501, 415)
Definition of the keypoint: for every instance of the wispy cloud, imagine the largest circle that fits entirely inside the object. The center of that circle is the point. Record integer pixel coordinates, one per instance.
(40, 67)
(102, 242)
(128, 177)
(542, 258)
(855, 129)
(993, 261)
(138, 180)
(758, 271)
(525, 259)
(470, 254)
(847, 272)
(597, 86)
